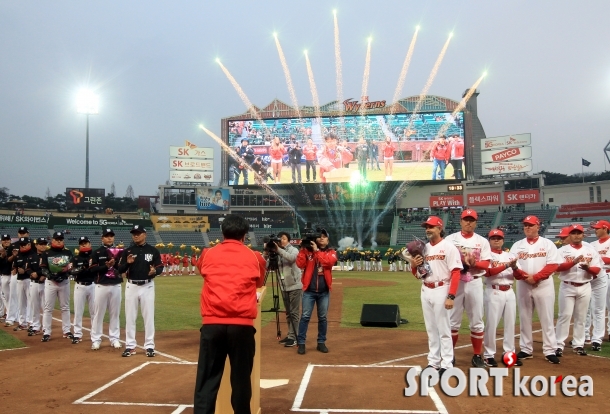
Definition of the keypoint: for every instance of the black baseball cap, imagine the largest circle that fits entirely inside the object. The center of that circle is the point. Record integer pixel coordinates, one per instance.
(137, 229)
(6, 237)
(41, 240)
(24, 240)
(23, 230)
(107, 232)
(58, 235)
(83, 239)
(323, 231)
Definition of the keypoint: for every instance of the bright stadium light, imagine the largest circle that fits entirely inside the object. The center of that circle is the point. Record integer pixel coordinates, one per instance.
(88, 103)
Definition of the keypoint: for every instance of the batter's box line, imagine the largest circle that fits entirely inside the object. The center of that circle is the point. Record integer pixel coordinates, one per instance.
(298, 399)
(83, 400)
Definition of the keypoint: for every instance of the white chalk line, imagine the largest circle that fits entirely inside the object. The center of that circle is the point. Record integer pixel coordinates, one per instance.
(137, 346)
(15, 349)
(298, 400)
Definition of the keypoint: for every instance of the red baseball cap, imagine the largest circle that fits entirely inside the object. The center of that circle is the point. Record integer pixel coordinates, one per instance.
(564, 232)
(496, 233)
(575, 227)
(470, 213)
(433, 221)
(531, 220)
(601, 224)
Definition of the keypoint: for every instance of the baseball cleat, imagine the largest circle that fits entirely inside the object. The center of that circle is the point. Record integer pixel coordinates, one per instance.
(519, 363)
(95, 346)
(524, 355)
(116, 345)
(68, 335)
(45, 338)
(128, 352)
(595, 346)
(150, 352)
(76, 340)
(580, 351)
(559, 352)
(490, 362)
(33, 333)
(477, 361)
(552, 359)
(8, 324)
(20, 328)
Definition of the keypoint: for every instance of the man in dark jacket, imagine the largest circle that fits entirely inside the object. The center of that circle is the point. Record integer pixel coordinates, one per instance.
(294, 159)
(246, 152)
(21, 267)
(228, 310)
(317, 262)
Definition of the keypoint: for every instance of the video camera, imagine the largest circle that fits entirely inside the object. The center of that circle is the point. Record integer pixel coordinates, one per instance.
(309, 236)
(270, 243)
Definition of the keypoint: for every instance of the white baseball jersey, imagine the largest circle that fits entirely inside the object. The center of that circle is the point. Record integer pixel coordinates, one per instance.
(575, 273)
(476, 245)
(532, 257)
(505, 277)
(442, 257)
(603, 249)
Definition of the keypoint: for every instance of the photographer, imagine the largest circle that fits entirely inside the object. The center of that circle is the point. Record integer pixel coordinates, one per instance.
(317, 260)
(292, 288)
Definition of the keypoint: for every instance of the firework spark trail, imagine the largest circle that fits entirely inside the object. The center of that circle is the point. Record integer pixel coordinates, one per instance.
(460, 106)
(327, 206)
(430, 80)
(312, 87)
(293, 95)
(338, 67)
(365, 76)
(240, 92)
(239, 159)
(403, 72)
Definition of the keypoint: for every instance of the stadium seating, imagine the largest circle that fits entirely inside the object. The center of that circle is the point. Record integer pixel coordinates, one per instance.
(511, 222)
(576, 211)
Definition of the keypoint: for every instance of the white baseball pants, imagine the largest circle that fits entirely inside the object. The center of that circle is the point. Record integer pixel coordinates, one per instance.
(144, 297)
(573, 301)
(436, 318)
(13, 302)
(23, 298)
(82, 294)
(499, 305)
(52, 292)
(597, 310)
(469, 297)
(107, 297)
(542, 298)
(5, 293)
(36, 304)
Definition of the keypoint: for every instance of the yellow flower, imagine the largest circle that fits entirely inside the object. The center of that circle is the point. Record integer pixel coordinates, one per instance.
(170, 245)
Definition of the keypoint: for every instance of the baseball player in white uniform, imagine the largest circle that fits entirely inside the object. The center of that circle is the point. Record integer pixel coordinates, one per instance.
(476, 256)
(581, 264)
(600, 298)
(37, 286)
(6, 253)
(107, 291)
(142, 263)
(439, 271)
(84, 287)
(537, 259)
(12, 314)
(500, 301)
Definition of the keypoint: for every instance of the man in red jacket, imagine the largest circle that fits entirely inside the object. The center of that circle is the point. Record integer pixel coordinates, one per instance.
(439, 154)
(317, 263)
(228, 309)
(456, 145)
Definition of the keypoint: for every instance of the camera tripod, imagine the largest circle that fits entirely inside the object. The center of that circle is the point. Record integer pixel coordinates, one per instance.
(278, 288)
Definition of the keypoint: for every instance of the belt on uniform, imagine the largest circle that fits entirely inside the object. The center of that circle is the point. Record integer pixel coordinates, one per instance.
(503, 288)
(140, 282)
(85, 283)
(575, 284)
(434, 285)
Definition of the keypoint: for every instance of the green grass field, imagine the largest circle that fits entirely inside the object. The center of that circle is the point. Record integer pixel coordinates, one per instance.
(177, 302)
(8, 341)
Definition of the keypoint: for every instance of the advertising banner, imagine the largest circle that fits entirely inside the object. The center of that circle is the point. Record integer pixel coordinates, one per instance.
(191, 151)
(507, 154)
(191, 165)
(507, 141)
(521, 196)
(212, 198)
(446, 201)
(192, 176)
(84, 197)
(507, 167)
(483, 199)
(72, 222)
(180, 223)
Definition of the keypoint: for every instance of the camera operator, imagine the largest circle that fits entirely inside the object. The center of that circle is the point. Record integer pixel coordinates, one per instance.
(317, 260)
(292, 288)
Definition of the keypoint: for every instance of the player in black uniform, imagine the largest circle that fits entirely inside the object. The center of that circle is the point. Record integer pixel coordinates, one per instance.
(21, 267)
(84, 288)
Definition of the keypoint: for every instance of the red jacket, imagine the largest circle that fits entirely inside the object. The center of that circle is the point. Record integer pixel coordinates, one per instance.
(440, 152)
(306, 260)
(310, 153)
(388, 149)
(457, 148)
(231, 274)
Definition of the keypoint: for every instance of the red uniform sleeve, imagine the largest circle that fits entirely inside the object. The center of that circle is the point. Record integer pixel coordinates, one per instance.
(594, 270)
(519, 274)
(492, 271)
(546, 271)
(606, 260)
(483, 264)
(565, 266)
(455, 280)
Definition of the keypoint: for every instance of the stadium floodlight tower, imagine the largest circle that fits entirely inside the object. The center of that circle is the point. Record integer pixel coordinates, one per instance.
(87, 102)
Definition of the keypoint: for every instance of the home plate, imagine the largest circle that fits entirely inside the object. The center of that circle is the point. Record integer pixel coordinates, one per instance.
(266, 383)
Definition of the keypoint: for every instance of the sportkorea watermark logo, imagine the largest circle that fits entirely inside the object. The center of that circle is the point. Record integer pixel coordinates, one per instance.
(478, 378)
